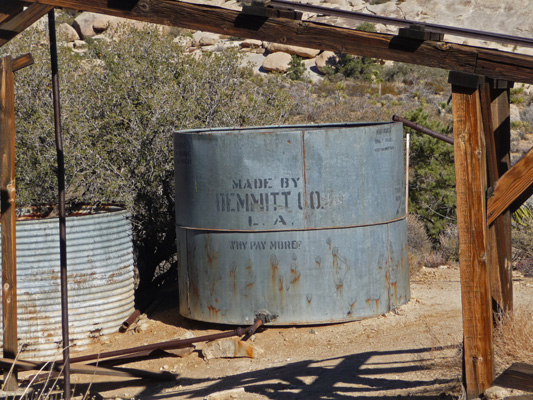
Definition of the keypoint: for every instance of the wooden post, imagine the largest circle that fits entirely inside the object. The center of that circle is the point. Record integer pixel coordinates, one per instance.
(7, 181)
(471, 185)
(497, 126)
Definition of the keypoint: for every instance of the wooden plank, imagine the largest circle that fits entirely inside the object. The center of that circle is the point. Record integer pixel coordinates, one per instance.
(497, 130)
(22, 62)
(21, 21)
(512, 185)
(8, 9)
(517, 376)
(496, 64)
(471, 185)
(8, 215)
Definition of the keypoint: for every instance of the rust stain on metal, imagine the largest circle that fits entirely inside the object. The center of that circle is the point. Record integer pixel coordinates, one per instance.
(377, 304)
(394, 285)
(233, 276)
(368, 301)
(309, 299)
(281, 289)
(213, 311)
(295, 274)
(352, 306)
(211, 256)
(318, 262)
(274, 265)
(339, 286)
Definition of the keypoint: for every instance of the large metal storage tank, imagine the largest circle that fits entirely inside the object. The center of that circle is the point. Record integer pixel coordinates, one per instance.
(100, 280)
(306, 222)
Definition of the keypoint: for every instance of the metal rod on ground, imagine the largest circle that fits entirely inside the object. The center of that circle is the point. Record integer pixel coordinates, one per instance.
(172, 344)
(423, 129)
(62, 212)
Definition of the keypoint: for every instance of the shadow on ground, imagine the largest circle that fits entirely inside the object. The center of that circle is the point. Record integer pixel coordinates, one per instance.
(360, 375)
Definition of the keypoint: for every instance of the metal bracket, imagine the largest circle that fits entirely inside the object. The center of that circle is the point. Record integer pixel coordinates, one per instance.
(473, 81)
(262, 8)
(418, 32)
(465, 79)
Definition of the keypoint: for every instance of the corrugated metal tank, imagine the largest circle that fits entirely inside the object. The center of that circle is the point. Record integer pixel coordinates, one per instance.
(307, 222)
(100, 280)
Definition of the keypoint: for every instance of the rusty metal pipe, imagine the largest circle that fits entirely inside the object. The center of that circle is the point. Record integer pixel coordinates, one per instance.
(131, 319)
(260, 320)
(62, 207)
(86, 369)
(423, 129)
(171, 344)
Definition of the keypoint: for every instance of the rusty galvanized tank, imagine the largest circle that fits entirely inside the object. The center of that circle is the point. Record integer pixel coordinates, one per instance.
(100, 280)
(306, 222)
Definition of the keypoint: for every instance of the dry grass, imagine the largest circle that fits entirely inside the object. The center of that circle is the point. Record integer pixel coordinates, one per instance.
(513, 339)
(418, 244)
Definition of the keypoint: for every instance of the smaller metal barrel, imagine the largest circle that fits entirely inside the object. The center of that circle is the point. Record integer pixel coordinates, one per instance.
(100, 280)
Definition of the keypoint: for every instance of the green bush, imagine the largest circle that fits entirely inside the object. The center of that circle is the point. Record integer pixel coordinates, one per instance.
(121, 102)
(431, 175)
(296, 68)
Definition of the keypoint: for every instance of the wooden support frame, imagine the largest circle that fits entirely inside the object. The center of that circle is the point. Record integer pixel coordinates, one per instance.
(8, 216)
(450, 56)
(8, 67)
(495, 110)
(471, 184)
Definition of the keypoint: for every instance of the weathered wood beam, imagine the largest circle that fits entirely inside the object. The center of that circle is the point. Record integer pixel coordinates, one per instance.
(8, 215)
(495, 111)
(10, 9)
(489, 62)
(510, 187)
(471, 185)
(18, 23)
(22, 62)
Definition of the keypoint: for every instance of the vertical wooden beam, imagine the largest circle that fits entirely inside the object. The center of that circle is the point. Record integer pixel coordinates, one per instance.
(7, 182)
(497, 127)
(471, 185)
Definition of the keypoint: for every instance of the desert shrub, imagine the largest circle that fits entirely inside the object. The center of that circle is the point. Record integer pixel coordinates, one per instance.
(522, 240)
(355, 67)
(121, 102)
(366, 27)
(431, 175)
(449, 243)
(418, 244)
(296, 68)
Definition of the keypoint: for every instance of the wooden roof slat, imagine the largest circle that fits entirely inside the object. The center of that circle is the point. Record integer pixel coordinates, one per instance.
(456, 57)
(22, 20)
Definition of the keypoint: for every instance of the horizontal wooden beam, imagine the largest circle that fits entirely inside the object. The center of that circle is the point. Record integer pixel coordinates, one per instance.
(19, 22)
(511, 186)
(493, 63)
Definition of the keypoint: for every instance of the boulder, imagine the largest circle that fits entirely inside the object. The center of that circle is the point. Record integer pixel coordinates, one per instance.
(88, 24)
(228, 348)
(326, 59)
(205, 38)
(251, 43)
(277, 62)
(304, 52)
(68, 32)
(515, 113)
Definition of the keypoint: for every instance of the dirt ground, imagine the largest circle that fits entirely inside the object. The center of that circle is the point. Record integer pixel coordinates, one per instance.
(412, 353)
